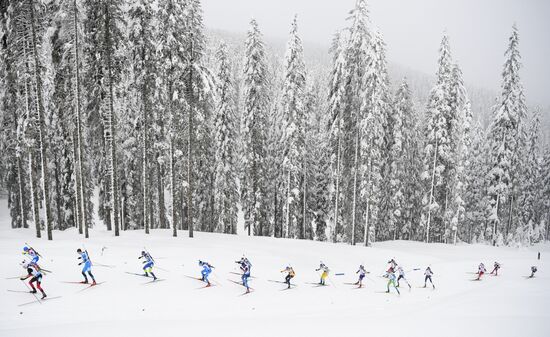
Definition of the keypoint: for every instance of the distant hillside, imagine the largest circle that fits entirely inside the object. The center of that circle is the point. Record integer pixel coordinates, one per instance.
(318, 62)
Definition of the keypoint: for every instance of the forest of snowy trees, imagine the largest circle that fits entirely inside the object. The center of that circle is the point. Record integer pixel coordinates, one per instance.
(124, 112)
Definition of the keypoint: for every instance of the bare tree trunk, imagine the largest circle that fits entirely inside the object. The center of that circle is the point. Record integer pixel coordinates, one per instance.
(190, 131)
(367, 210)
(495, 222)
(287, 234)
(76, 207)
(34, 197)
(160, 191)
(356, 168)
(144, 159)
(431, 194)
(304, 212)
(152, 223)
(276, 231)
(509, 224)
(80, 171)
(111, 127)
(173, 189)
(335, 234)
(57, 199)
(21, 185)
(32, 178)
(41, 124)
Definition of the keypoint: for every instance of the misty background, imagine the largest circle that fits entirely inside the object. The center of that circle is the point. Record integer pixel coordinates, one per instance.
(412, 30)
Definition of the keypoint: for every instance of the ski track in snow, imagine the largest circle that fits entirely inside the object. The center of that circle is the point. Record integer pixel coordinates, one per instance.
(507, 305)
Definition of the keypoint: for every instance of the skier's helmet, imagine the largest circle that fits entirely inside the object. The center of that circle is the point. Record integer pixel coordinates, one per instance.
(26, 249)
(79, 250)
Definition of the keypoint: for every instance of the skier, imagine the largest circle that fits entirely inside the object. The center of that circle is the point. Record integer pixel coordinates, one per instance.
(31, 253)
(391, 281)
(87, 266)
(362, 272)
(533, 271)
(324, 275)
(496, 268)
(290, 274)
(244, 263)
(246, 274)
(148, 264)
(480, 271)
(428, 276)
(33, 270)
(206, 270)
(402, 276)
(393, 265)
(245, 266)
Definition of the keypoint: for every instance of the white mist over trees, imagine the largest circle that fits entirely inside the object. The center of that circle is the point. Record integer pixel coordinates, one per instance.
(129, 105)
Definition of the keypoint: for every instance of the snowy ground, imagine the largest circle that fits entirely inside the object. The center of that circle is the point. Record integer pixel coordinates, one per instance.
(507, 305)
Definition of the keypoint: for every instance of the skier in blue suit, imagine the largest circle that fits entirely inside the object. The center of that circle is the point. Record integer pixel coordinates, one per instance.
(33, 255)
(246, 275)
(206, 270)
(148, 264)
(87, 265)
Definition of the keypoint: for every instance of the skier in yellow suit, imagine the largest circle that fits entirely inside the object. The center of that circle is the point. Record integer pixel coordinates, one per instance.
(290, 274)
(324, 275)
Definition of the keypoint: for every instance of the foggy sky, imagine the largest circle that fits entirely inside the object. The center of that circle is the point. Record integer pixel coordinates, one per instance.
(412, 30)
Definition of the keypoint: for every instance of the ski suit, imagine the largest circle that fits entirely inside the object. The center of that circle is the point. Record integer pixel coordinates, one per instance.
(402, 276)
(31, 253)
(428, 276)
(391, 281)
(362, 272)
(481, 270)
(290, 274)
(206, 270)
(496, 268)
(33, 271)
(324, 275)
(87, 266)
(246, 275)
(148, 262)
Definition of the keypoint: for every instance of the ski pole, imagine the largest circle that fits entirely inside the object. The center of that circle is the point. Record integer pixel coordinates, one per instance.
(331, 281)
(37, 253)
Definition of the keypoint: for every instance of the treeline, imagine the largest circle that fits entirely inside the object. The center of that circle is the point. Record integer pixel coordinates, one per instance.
(125, 103)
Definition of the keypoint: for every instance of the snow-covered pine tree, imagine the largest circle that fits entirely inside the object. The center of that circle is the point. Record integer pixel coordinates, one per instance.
(293, 96)
(199, 90)
(350, 62)
(375, 126)
(69, 23)
(504, 142)
(29, 17)
(319, 168)
(253, 185)
(171, 64)
(475, 187)
(437, 147)
(545, 185)
(337, 87)
(12, 146)
(398, 160)
(530, 207)
(141, 37)
(460, 131)
(226, 191)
